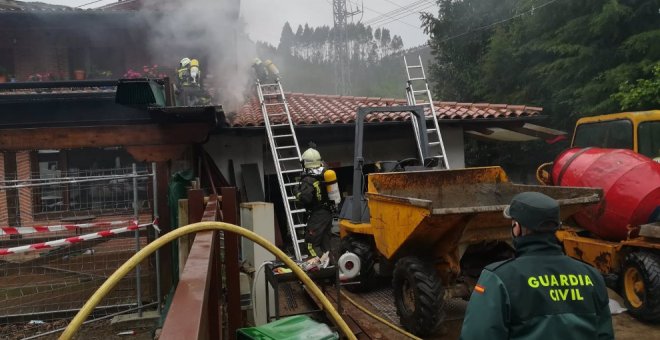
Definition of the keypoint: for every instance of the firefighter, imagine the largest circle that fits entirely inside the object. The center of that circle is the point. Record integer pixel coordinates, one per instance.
(260, 70)
(195, 72)
(183, 72)
(319, 194)
(273, 71)
(540, 293)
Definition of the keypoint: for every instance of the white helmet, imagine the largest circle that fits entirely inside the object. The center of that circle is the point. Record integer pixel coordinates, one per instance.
(311, 159)
(184, 62)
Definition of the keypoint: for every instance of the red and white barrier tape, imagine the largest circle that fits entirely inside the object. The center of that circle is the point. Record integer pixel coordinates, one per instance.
(60, 227)
(71, 240)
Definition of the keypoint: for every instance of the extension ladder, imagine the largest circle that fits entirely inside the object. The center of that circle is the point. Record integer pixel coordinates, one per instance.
(417, 78)
(286, 156)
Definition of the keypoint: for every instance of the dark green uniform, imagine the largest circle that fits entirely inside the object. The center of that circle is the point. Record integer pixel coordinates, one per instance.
(540, 294)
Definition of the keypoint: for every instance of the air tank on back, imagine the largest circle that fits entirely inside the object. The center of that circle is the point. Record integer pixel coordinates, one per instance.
(630, 183)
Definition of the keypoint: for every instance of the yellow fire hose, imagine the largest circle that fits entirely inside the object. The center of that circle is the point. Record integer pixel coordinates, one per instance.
(112, 281)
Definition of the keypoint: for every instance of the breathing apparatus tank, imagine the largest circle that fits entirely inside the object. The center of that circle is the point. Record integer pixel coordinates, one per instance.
(330, 178)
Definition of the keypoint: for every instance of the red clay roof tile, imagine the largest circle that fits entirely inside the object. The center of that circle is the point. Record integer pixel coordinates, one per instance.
(314, 109)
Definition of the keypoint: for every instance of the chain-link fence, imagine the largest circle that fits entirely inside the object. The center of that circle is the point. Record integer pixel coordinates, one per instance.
(68, 232)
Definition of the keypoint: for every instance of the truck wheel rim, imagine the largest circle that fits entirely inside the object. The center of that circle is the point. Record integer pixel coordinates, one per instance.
(408, 294)
(634, 287)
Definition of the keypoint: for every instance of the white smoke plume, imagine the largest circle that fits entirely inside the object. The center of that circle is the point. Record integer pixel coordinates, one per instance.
(210, 31)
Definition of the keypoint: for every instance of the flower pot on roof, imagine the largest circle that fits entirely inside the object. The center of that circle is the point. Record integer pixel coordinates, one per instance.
(79, 74)
(3, 75)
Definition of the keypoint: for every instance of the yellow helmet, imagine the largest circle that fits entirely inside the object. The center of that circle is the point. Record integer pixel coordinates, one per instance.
(194, 62)
(184, 62)
(311, 159)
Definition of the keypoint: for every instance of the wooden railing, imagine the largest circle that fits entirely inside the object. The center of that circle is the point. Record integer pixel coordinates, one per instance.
(196, 309)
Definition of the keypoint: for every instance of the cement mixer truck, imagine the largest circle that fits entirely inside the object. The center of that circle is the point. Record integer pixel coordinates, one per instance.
(620, 236)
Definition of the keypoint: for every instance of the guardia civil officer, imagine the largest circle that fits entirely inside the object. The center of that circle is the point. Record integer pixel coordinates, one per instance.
(540, 293)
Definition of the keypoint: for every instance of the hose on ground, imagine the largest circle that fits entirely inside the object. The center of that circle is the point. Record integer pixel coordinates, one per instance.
(371, 314)
(112, 281)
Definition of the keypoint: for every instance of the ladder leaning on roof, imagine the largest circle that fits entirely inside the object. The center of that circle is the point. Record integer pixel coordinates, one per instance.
(417, 78)
(286, 155)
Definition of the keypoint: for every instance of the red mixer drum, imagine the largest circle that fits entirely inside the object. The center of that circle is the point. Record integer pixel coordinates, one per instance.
(630, 183)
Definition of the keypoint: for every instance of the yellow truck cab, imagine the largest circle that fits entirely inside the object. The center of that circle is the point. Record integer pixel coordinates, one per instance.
(637, 131)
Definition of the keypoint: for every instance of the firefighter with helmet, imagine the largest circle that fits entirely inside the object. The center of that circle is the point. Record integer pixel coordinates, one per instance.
(319, 194)
(183, 72)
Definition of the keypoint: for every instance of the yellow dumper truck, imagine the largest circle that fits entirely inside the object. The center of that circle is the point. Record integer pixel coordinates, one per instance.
(424, 228)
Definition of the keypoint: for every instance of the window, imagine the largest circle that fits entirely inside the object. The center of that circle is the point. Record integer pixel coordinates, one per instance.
(613, 134)
(649, 139)
(111, 195)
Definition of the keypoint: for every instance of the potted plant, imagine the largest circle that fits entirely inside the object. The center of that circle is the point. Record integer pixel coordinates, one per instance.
(3, 75)
(79, 74)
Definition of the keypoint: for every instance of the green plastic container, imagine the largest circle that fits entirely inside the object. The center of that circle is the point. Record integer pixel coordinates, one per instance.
(292, 327)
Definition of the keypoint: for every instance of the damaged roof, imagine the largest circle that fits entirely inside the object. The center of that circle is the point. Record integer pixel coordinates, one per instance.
(314, 109)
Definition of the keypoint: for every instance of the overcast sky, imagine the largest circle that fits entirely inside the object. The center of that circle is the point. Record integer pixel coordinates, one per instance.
(265, 25)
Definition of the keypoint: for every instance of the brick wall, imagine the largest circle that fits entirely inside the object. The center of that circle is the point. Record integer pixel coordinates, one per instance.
(24, 171)
(4, 212)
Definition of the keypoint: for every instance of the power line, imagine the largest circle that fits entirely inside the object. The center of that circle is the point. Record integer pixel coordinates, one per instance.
(393, 18)
(498, 22)
(419, 10)
(89, 3)
(393, 13)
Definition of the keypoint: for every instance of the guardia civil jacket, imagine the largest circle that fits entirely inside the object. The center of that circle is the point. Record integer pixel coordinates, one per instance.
(539, 294)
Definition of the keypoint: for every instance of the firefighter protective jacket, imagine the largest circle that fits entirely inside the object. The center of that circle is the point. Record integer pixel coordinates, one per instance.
(540, 294)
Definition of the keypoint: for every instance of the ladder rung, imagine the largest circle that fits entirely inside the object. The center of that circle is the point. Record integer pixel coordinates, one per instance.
(285, 147)
(291, 184)
(298, 211)
(271, 94)
(439, 156)
(289, 171)
(266, 85)
(434, 143)
(301, 241)
(289, 159)
(276, 114)
(291, 198)
(418, 78)
(299, 226)
(419, 91)
(278, 125)
(415, 66)
(282, 136)
(431, 130)
(273, 104)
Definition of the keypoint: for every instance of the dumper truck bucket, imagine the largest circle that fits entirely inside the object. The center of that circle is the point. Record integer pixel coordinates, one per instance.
(436, 211)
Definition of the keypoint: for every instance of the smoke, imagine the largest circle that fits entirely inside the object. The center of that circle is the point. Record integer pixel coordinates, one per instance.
(210, 31)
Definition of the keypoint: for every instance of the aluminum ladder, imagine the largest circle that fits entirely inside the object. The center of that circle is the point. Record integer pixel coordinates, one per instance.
(286, 156)
(417, 79)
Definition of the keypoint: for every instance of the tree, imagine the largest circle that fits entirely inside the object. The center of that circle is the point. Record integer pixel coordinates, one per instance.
(643, 94)
(286, 39)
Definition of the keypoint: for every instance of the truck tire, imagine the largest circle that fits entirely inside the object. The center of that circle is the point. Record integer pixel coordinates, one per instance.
(418, 296)
(364, 249)
(640, 285)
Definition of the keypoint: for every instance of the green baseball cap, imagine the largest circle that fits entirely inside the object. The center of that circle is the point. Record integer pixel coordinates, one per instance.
(532, 210)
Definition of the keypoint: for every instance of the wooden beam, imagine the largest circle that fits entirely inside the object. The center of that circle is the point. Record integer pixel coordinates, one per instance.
(102, 136)
(156, 153)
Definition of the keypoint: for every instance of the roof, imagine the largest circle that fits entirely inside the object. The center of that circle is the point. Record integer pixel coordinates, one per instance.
(314, 109)
(11, 5)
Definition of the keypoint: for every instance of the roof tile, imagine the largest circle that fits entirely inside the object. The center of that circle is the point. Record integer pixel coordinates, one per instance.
(315, 109)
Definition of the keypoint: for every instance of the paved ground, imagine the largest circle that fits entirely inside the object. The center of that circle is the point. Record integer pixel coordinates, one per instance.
(625, 326)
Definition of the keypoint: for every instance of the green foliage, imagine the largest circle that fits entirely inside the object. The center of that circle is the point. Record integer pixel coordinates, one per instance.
(643, 94)
(568, 57)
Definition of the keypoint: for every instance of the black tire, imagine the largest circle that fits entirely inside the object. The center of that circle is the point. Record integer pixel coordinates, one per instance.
(365, 250)
(642, 300)
(418, 295)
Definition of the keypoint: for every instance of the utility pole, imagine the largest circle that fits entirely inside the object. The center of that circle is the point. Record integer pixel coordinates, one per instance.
(341, 57)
